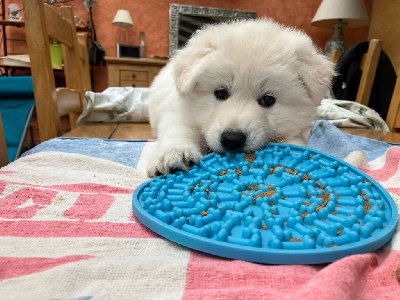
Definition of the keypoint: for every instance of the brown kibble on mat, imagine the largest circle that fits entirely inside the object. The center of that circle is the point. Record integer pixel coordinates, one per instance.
(204, 213)
(367, 207)
(223, 172)
(264, 227)
(238, 171)
(295, 240)
(325, 197)
(250, 157)
(250, 187)
(290, 171)
(339, 232)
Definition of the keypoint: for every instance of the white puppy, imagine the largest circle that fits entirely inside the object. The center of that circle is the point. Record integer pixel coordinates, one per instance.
(234, 87)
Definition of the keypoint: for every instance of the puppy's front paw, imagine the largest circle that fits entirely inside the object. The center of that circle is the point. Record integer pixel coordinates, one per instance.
(173, 159)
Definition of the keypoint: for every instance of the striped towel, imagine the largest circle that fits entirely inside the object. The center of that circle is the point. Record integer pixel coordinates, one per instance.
(67, 231)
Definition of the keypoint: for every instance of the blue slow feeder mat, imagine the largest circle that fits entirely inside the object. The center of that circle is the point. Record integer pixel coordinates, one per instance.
(284, 204)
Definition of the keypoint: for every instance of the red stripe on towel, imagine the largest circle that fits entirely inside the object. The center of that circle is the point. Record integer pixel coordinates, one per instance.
(49, 229)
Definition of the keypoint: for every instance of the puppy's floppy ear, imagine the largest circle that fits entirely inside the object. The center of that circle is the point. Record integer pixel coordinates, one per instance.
(189, 63)
(315, 72)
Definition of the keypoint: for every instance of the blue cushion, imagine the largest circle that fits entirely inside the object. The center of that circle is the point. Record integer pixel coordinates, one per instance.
(16, 105)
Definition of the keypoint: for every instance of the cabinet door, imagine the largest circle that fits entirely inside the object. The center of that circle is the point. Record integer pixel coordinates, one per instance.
(133, 83)
(136, 75)
(131, 75)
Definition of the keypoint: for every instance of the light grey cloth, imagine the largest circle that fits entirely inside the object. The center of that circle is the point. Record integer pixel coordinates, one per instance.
(343, 113)
(116, 104)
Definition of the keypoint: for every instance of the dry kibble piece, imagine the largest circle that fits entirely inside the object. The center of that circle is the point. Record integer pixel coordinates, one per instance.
(295, 240)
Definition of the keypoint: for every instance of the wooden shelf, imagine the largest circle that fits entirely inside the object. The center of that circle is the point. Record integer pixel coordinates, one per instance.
(12, 23)
(22, 24)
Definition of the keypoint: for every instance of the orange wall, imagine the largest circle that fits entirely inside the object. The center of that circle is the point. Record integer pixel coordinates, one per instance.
(152, 17)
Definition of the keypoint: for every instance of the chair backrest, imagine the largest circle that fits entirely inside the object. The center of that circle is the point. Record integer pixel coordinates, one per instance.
(42, 22)
(368, 66)
(393, 116)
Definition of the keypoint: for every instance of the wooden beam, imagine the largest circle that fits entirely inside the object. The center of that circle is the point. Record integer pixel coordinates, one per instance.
(58, 28)
(42, 72)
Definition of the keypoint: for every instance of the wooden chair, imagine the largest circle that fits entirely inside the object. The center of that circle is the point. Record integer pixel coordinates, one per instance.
(368, 66)
(3, 146)
(42, 22)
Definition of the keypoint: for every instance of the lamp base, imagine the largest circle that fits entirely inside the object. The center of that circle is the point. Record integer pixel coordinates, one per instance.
(337, 41)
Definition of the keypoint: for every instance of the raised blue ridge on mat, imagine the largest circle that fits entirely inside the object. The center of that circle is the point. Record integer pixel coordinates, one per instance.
(283, 204)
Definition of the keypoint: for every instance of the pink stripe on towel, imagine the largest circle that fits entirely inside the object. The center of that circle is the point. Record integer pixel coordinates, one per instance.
(19, 266)
(364, 276)
(390, 168)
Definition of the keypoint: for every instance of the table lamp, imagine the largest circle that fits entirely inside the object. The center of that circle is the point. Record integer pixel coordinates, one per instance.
(123, 19)
(338, 14)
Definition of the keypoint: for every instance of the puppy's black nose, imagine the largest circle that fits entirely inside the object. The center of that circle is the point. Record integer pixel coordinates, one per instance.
(233, 140)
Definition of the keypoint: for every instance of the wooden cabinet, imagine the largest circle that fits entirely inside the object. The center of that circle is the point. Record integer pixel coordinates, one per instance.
(132, 72)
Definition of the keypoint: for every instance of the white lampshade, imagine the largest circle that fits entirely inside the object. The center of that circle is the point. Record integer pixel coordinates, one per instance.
(123, 19)
(351, 12)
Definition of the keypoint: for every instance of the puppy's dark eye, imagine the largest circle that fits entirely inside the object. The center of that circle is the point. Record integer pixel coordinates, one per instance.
(266, 100)
(221, 93)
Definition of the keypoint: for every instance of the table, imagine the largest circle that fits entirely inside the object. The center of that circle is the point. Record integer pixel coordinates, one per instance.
(142, 131)
(113, 131)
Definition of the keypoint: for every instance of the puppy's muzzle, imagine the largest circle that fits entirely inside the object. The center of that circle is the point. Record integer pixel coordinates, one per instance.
(233, 140)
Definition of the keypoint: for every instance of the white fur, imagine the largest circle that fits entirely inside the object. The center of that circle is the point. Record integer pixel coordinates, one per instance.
(249, 58)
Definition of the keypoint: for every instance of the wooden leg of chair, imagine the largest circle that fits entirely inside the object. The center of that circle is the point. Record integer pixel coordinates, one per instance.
(3, 146)
(393, 116)
(73, 117)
